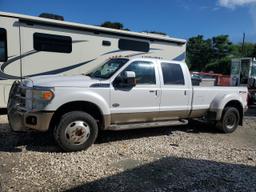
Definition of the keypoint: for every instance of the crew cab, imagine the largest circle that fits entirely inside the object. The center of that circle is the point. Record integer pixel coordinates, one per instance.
(123, 93)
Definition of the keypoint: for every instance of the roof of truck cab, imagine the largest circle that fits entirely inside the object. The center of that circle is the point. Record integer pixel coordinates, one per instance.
(92, 28)
(152, 59)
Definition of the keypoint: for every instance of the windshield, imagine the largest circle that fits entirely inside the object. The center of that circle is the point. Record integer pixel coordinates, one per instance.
(109, 68)
(253, 72)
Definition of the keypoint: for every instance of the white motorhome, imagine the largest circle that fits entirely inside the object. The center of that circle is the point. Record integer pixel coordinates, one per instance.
(31, 46)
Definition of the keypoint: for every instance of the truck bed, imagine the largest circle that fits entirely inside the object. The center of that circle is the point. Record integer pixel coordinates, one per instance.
(203, 96)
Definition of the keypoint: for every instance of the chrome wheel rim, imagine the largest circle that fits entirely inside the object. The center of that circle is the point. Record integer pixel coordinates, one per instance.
(77, 132)
(230, 121)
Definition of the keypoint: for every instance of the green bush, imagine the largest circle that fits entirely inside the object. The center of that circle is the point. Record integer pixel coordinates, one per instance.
(219, 66)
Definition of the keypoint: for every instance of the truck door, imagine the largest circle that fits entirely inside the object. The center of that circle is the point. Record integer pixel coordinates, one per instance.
(176, 92)
(141, 102)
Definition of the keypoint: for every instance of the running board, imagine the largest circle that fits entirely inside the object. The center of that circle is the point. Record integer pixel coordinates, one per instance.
(119, 127)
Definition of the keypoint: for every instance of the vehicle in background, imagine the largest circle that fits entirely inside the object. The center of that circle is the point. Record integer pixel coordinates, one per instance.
(210, 79)
(123, 93)
(32, 46)
(243, 73)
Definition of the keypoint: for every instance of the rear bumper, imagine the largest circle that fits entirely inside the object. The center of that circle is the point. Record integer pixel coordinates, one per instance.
(23, 121)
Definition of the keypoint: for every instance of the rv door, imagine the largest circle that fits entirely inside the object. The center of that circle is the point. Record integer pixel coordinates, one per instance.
(246, 65)
(235, 72)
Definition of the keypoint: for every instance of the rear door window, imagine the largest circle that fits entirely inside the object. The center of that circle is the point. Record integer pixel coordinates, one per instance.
(3, 45)
(172, 74)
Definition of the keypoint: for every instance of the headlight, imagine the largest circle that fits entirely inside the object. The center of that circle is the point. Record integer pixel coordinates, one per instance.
(41, 96)
(44, 95)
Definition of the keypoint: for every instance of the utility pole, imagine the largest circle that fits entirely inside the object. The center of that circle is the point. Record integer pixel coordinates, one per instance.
(243, 43)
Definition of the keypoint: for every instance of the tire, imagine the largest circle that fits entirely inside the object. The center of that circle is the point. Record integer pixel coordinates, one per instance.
(229, 121)
(76, 131)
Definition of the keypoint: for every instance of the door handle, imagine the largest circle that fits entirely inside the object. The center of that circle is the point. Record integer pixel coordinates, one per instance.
(153, 91)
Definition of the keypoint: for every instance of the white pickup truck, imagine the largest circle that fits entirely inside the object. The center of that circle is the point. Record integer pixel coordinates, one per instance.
(124, 93)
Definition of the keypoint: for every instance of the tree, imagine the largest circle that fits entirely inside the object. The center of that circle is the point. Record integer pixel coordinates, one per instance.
(113, 25)
(247, 50)
(219, 66)
(221, 46)
(215, 54)
(235, 50)
(221, 55)
(254, 51)
(199, 52)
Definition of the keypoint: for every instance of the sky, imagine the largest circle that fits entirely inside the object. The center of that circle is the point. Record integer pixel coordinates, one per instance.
(177, 18)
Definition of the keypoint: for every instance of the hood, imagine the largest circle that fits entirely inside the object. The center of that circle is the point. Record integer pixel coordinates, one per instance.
(60, 81)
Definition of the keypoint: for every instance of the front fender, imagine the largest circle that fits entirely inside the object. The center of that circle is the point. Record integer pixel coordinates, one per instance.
(219, 102)
(67, 96)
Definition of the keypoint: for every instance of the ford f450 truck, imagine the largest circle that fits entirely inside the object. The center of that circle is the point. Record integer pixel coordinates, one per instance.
(124, 93)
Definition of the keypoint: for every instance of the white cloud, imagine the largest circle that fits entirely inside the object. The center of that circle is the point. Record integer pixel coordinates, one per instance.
(235, 3)
(251, 4)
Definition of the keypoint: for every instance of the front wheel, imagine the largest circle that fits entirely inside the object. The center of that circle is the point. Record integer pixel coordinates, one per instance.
(76, 131)
(229, 121)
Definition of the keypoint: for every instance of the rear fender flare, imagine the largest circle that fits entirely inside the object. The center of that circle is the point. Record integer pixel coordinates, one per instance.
(220, 101)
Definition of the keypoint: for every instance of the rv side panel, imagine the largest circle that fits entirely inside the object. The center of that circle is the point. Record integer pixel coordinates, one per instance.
(9, 52)
(38, 49)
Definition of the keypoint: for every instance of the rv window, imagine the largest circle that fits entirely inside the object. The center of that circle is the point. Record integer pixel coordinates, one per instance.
(106, 43)
(52, 43)
(172, 74)
(126, 44)
(3, 45)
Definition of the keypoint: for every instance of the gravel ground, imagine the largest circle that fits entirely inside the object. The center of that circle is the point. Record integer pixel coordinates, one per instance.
(180, 158)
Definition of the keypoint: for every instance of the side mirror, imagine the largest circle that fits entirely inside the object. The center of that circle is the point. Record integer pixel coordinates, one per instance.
(126, 79)
(130, 78)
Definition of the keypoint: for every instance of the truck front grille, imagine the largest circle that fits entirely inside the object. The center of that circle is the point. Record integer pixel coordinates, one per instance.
(21, 97)
(18, 97)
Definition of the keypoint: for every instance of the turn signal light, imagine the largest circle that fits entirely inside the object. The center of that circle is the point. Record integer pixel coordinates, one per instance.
(47, 95)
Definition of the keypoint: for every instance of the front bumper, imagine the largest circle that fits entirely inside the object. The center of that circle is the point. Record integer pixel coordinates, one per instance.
(20, 119)
(23, 121)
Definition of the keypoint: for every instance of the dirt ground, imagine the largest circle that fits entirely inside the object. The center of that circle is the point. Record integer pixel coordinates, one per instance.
(180, 158)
